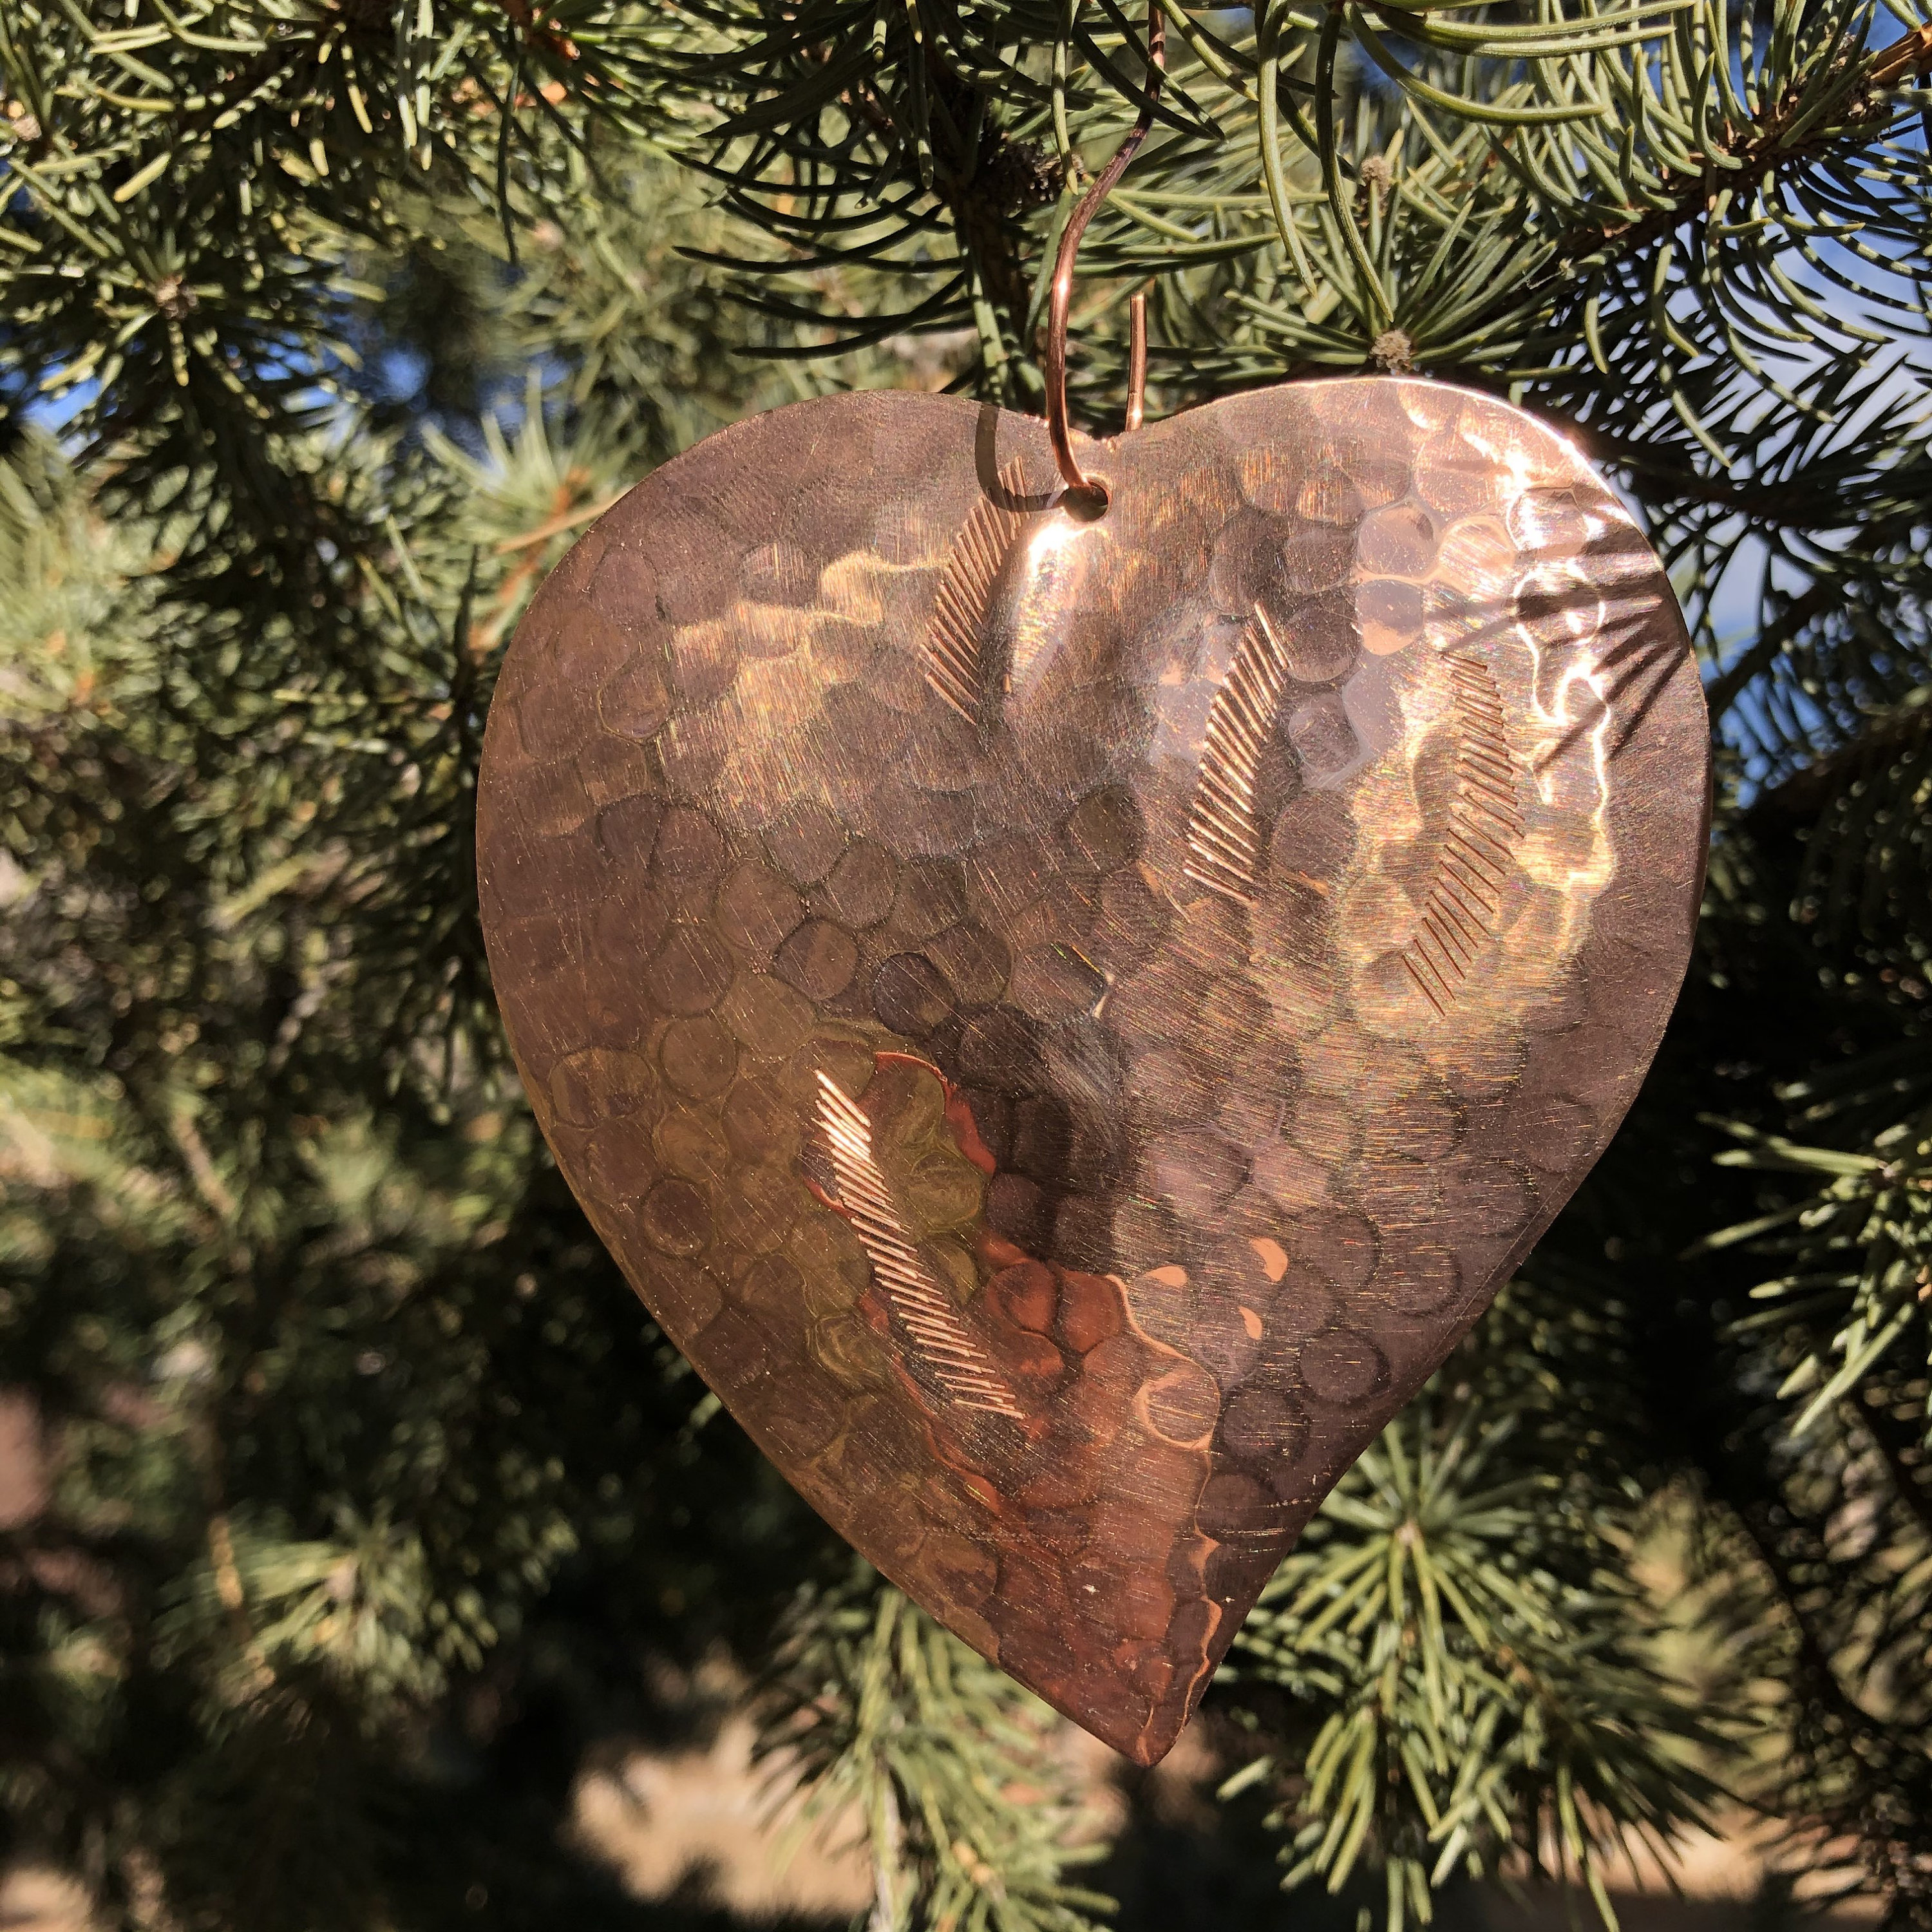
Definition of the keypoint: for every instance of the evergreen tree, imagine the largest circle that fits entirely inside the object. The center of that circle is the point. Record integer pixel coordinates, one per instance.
(364, 1491)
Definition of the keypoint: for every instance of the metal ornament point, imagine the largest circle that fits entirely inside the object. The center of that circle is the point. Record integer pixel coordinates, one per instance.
(1088, 492)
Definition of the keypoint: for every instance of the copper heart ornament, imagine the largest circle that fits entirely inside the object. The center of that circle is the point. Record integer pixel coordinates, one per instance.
(1066, 1021)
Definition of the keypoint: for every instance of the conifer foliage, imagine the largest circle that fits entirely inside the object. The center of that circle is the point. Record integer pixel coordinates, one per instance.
(361, 1498)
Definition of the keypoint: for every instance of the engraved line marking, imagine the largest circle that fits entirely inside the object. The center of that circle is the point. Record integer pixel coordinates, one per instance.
(1481, 840)
(1486, 820)
(1488, 772)
(921, 1305)
(1442, 972)
(956, 666)
(1424, 959)
(1449, 951)
(1467, 909)
(1482, 910)
(1478, 755)
(1223, 838)
(1471, 838)
(1466, 855)
(1456, 920)
(1479, 781)
(1465, 920)
(1427, 991)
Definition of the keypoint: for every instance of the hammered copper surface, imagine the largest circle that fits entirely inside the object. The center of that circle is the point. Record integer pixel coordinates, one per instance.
(1066, 1023)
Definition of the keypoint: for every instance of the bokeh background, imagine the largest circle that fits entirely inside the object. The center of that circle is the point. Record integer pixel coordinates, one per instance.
(367, 1559)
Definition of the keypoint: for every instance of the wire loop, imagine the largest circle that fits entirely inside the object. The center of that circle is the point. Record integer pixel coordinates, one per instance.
(1079, 485)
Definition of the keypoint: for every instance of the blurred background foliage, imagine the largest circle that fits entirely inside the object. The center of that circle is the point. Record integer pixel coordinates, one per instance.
(359, 1501)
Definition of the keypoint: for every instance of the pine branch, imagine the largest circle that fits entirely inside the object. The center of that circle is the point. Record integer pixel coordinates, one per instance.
(1790, 136)
(361, 315)
(943, 1765)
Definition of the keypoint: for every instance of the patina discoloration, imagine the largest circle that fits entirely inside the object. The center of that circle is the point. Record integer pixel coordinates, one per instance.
(1066, 1021)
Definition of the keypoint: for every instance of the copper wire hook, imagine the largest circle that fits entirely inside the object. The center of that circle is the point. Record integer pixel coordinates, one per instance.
(1078, 483)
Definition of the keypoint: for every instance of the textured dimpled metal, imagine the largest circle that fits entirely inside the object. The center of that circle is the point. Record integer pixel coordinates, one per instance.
(1065, 1020)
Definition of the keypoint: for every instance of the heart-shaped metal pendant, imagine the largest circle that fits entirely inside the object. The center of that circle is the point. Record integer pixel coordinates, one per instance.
(1067, 1019)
